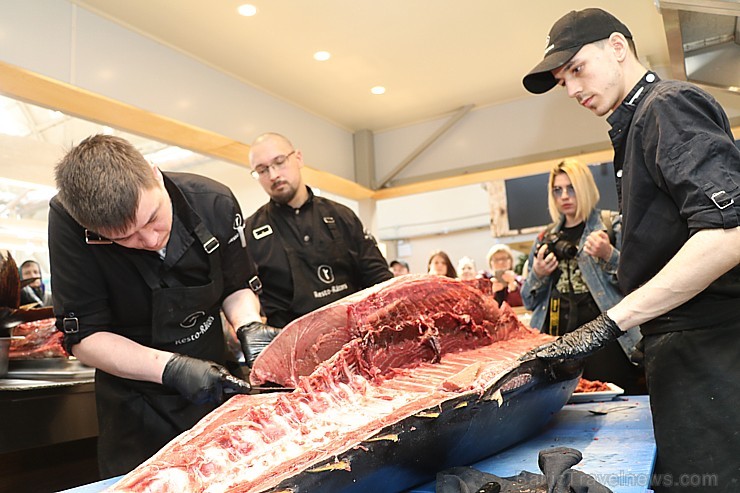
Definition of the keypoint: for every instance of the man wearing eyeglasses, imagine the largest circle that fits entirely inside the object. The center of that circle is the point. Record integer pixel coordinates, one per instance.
(309, 250)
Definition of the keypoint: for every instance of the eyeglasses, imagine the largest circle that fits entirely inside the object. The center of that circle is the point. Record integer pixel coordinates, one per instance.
(277, 164)
(558, 191)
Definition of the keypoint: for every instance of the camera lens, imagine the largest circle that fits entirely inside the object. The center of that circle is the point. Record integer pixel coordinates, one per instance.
(565, 250)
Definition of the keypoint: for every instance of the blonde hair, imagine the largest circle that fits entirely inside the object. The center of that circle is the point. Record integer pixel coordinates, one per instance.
(583, 183)
(499, 247)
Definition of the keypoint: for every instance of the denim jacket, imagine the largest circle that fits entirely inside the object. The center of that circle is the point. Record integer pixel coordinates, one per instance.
(600, 277)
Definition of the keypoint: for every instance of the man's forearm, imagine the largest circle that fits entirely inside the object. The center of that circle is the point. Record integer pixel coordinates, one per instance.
(242, 307)
(704, 257)
(121, 357)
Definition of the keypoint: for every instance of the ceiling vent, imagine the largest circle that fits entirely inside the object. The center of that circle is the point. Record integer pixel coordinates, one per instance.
(703, 41)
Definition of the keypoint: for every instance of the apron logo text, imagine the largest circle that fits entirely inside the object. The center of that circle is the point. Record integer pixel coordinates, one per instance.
(195, 336)
(334, 289)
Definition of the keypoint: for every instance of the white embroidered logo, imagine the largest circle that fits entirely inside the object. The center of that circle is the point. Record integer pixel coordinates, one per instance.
(326, 274)
(239, 227)
(262, 231)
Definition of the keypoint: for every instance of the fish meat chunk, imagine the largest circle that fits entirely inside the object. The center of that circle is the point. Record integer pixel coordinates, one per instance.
(407, 313)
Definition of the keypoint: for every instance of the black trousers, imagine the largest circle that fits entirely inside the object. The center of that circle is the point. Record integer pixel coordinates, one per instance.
(693, 378)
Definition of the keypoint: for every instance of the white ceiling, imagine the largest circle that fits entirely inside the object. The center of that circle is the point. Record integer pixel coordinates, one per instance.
(433, 56)
(33, 139)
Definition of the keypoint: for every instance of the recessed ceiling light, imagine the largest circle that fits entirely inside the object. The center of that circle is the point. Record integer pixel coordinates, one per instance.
(378, 90)
(247, 10)
(321, 56)
(168, 154)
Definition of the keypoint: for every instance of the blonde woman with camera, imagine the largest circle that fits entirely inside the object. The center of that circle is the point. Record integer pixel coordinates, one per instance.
(572, 275)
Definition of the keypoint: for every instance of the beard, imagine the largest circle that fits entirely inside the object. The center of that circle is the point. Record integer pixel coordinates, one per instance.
(282, 192)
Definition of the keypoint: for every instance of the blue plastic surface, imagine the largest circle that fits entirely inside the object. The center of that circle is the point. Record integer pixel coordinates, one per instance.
(618, 447)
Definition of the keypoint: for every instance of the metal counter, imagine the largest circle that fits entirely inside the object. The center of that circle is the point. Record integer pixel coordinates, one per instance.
(46, 406)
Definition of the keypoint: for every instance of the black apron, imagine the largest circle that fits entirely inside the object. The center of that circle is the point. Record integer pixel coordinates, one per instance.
(138, 418)
(694, 382)
(322, 273)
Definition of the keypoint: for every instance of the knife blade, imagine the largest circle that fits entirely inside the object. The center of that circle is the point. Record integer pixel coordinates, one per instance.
(272, 389)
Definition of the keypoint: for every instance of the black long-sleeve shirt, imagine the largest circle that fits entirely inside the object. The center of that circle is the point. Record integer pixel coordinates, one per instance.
(308, 231)
(679, 172)
(103, 288)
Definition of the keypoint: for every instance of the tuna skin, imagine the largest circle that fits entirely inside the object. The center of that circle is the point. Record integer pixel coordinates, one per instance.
(407, 347)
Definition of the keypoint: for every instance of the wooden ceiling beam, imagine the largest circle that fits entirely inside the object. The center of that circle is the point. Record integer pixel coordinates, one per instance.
(43, 91)
(49, 93)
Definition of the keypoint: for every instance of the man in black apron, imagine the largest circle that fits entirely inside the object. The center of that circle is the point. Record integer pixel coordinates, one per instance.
(309, 250)
(678, 177)
(142, 264)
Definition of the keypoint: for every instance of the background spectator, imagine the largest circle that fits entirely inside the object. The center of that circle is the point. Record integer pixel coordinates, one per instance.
(466, 269)
(399, 268)
(506, 283)
(35, 291)
(573, 272)
(440, 264)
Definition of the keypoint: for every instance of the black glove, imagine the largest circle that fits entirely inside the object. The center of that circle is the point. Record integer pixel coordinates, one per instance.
(254, 337)
(559, 477)
(582, 342)
(201, 381)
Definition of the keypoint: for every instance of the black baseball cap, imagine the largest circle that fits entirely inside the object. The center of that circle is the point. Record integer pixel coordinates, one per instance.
(401, 263)
(567, 36)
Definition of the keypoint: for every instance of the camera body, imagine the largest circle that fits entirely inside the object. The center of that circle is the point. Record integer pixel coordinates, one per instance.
(562, 248)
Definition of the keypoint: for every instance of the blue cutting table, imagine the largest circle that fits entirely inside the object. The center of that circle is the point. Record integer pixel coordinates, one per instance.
(615, 438)
(618, 446)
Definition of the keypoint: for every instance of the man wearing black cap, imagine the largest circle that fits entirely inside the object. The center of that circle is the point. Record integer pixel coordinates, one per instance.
(399, 268)
(678, 179)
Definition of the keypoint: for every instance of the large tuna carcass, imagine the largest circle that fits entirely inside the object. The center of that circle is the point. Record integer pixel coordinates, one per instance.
(392, 384)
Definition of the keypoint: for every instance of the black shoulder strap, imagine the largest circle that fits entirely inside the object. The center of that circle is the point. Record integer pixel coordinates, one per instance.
(328, 219)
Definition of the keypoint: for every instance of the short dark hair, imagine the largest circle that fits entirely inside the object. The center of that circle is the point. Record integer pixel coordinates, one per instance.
(100, 182)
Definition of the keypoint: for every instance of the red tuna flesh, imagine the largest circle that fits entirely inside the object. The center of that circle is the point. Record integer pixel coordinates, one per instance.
(391, 354)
